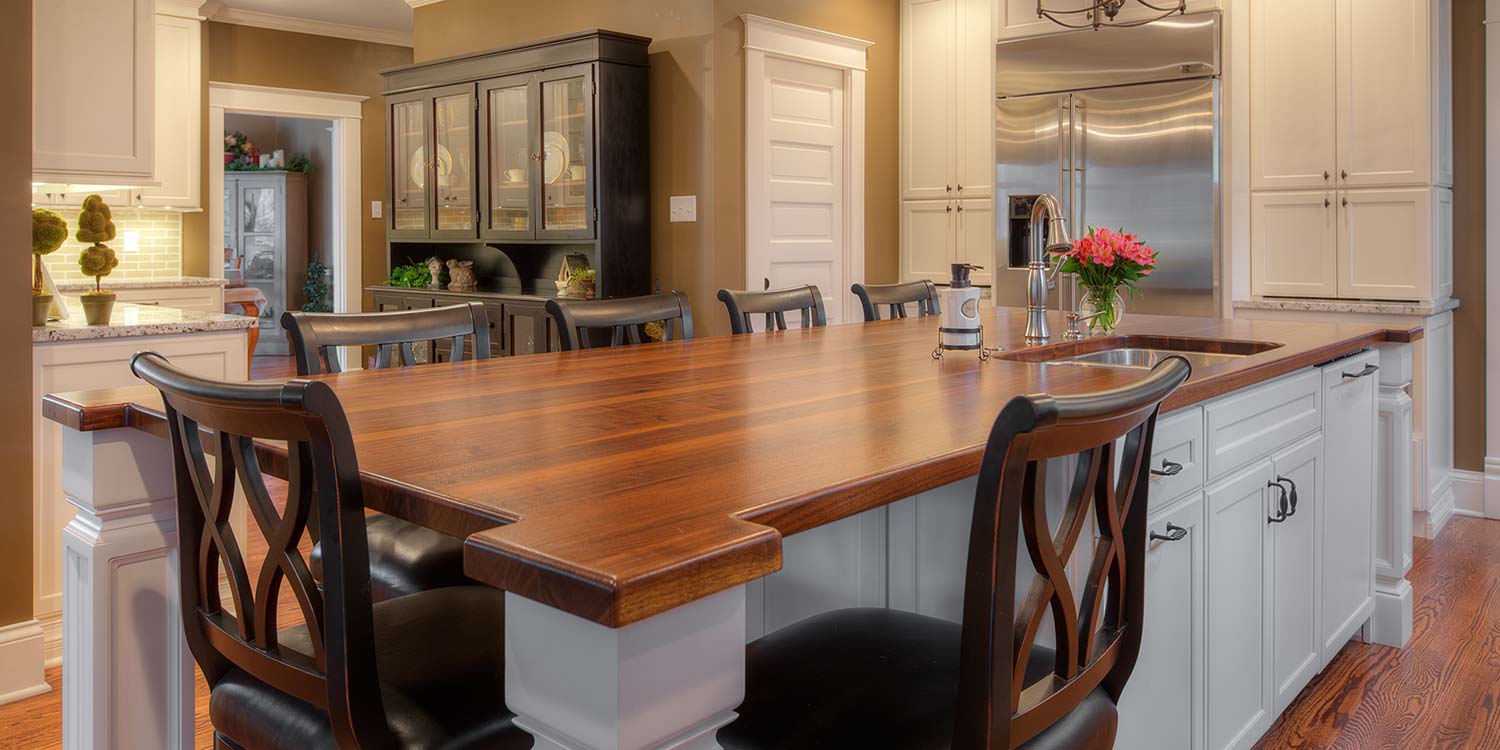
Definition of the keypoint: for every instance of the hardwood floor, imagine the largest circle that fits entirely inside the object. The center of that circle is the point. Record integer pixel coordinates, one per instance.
(266, 367)
(1442, 691)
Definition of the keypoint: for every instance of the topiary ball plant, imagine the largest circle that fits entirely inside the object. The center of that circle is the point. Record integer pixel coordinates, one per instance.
(48, 232)
(96, 226)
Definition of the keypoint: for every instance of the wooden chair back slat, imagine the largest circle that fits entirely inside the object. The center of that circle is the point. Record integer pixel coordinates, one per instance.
(775, 304)
(316, 337)
(896, 297)
(624, 318)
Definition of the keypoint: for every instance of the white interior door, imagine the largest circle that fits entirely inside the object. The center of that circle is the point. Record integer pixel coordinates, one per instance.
(797, 221)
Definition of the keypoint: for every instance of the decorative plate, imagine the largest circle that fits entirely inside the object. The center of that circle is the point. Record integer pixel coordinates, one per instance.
(419, 166)
(555, 165)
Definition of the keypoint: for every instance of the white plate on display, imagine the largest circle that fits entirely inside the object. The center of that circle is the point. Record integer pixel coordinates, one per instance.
(419, 166)
(555, 147)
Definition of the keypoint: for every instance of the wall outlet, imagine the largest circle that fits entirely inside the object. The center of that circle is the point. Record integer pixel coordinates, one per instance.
(377, 209)
(684, 208)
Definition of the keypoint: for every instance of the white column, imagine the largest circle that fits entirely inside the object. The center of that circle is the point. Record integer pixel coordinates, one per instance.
(1391, 624)
(669, 682)
(127, 673)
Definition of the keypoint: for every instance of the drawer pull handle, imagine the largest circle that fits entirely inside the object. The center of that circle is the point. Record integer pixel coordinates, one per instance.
(1174, 533)
(1291, 493)
(1281, 504)
(1369, 370)
(1168, 469)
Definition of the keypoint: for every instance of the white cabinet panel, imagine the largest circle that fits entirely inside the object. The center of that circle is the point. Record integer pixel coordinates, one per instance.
(1251, 423)
(1384, 93)
(1292, 121)
(1239, 701)
(1442, 249)
(179, 107)
(1177, 460)
(927, 239)
(1293, 240)
(928, 95)
(974, 139)
(1385, 244)
(1162, 707)
(1297, 651)
(1348, 508)
(976, 238)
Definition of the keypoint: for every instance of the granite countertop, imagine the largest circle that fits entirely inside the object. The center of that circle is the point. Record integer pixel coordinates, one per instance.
(1348, 305)
(135, 320)
(167, 283)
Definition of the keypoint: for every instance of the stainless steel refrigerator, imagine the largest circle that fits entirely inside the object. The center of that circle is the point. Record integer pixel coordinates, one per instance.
(1122, 125)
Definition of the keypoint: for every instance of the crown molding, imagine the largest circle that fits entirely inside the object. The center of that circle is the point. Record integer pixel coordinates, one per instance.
(196, 10)
(307, 26)
(421, 3)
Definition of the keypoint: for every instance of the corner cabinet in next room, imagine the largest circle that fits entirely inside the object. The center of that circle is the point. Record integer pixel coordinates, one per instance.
(265, 234)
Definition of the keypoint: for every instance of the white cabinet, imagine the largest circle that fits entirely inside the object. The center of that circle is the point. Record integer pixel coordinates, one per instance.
(1348, 509)
(975, 238)
(178, 121)
(93, 84)
(1017, 18)
(1162, 707)
(1240, 691)
(928, 238)
(1292, 244)
(1292, 119)
(928, 93)
(1387, 244)
(1388, 74)
(1297, 653)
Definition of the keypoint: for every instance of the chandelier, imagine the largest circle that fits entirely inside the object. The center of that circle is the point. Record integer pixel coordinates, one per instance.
(1101, 13)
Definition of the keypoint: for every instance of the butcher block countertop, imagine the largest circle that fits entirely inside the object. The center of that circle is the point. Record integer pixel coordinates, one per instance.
(616, 484)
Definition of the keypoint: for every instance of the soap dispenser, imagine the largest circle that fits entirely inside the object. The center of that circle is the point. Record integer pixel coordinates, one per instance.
(960, 327)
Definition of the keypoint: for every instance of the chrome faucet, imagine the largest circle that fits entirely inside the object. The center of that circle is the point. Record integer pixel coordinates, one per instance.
(1045, 208)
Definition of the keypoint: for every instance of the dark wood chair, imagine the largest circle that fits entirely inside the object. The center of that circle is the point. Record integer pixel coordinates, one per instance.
(774, 305)
(421, 671)
(886, 678)
(404, 558)
(623, 317)
(896, 296)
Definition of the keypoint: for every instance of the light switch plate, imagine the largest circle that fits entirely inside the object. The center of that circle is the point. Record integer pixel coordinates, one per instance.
(684, 208)
(377, 209)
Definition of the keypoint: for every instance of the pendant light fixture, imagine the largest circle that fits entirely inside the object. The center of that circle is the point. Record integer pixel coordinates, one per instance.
(1102, 13)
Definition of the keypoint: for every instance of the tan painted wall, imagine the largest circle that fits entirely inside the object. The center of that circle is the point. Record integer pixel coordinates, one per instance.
(697, 114)
(1468, 234)
(15, 318)
(242, 54)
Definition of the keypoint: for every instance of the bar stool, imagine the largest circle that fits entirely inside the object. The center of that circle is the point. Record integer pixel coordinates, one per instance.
(896, 296)
(404, 673)
(404, 558)
(774, 305)
(892, 679)
(623, 317)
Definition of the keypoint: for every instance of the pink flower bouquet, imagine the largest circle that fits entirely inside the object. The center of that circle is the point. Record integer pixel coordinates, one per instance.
(1104, 261)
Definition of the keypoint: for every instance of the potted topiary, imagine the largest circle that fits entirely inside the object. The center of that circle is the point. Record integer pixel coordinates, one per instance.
(97, 260)
(48, 232)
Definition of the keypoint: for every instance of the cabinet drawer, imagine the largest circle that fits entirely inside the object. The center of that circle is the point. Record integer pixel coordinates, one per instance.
(1251, 424)
(1176, 457)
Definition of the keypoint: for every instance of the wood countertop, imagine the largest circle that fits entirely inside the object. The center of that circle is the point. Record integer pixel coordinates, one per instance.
(616, 484)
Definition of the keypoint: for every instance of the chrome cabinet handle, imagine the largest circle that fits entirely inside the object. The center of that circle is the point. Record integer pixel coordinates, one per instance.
(1281, 515)
(1168, 469)
(1369, 370)
(1292, 493)
(1174, 533)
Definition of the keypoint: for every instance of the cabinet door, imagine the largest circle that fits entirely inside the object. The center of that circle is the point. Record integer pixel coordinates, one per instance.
(1293, 244)
(1297, 651)
(974, 147)
(1239, 609)
(566, 102)
(927, 240)
(1384, 244)
(1292, 125)
(1348, 507)
(452, 176)
(179, 158)
(410, 138)
(509, 148)
(928, 97)
(528, 329)
(975, 239)
(1162, 707)
(1384, 93)
(1442, 249)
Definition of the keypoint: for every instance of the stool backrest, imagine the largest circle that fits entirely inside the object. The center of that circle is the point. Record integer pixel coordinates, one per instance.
(315, 336)
(624, 317)
(1098, 640)
(231, 421)
(896, 296)
(774, 305)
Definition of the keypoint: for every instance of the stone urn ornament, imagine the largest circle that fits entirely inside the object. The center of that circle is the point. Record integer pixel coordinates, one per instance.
(461, 276)
(434, 272)
(96, 226)
(48, 232)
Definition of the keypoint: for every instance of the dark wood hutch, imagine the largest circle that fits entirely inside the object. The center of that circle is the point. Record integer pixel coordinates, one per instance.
(516, 158)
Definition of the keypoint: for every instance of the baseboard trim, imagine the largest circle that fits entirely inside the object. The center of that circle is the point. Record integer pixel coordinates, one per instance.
(21, 671)
(1468, 492)
(1428, 524)
(51, 638)
(1492, 487)
(1391, 623)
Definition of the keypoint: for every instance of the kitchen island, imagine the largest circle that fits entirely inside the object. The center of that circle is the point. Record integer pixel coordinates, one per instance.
(648, 509)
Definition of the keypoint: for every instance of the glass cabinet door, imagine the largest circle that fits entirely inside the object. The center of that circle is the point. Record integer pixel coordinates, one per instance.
(510, 150)
(411, 168)
(567, 161)
(452, 191)
(259, 224)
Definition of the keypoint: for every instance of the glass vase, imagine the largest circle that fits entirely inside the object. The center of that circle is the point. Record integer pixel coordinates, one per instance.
(1106, 299)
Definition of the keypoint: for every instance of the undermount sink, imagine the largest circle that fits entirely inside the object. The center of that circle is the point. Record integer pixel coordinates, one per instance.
(1139, 352)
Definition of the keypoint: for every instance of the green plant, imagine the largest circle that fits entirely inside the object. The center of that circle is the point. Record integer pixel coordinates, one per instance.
(315, 289)
(299, 163)
(411, 275)
(583, 274)
(96, 225)
(48, 232)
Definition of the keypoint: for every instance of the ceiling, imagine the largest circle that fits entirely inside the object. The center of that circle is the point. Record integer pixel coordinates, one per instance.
(385, 15)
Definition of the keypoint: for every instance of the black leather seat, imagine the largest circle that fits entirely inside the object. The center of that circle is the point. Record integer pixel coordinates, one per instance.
(441, 661)
(405, 558)
(878, 678)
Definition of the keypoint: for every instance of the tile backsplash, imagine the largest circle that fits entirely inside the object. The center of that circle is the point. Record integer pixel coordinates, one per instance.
(157, 253)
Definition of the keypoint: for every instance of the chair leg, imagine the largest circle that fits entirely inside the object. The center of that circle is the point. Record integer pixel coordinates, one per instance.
(221, 743)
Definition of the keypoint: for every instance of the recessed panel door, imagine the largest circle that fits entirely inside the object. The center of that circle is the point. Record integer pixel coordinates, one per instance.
(452, 193)
(566, 153)
(510, 149)
(410, 168)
